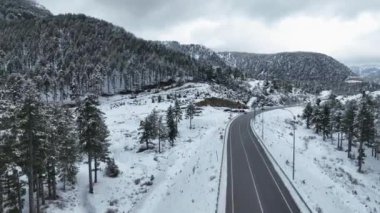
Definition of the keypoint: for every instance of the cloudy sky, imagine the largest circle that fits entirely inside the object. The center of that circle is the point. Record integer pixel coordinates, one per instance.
(348, 30)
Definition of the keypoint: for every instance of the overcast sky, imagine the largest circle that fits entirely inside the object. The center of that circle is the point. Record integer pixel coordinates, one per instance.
(348, 30)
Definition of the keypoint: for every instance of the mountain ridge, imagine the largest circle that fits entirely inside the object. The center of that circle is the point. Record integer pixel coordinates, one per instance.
(11, 10)
(71, 54)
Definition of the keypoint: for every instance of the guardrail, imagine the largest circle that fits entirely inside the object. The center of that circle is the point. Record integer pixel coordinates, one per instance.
(274, 160)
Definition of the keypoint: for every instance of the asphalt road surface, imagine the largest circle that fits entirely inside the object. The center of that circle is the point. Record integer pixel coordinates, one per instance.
(253, 185)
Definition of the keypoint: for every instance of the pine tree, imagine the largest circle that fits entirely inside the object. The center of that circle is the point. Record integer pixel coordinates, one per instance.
(337, 126)
(177, 112)
(145, 129)
(14, 191)
(365, 128)
(153, 120)
(30, 135)
(149, 128)
(325, 121)
(162, 132)
(92, 133)
(68, 154)
(190, 112)
(307, 114)
(102, 147)
(8, 157)
(317, 118)
(348, 124)
(172, 125)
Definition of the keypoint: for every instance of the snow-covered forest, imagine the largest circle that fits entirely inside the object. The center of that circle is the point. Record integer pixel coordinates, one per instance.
(96, 119)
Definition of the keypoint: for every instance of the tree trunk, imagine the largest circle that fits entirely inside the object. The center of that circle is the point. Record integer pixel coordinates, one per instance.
(48, 180)
(38, 194)
(96, 170)
(338, 146)
(91, 190)
(19, 200)
(349, 145)
(64, 179)
(190, 123)
(159, 144)
(31, 178)
(54, 182)
(1, 193)
(41, 184)
(360, 157)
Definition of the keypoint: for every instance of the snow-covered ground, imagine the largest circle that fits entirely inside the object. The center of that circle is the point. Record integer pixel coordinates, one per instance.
(183, 178)
(324, 176)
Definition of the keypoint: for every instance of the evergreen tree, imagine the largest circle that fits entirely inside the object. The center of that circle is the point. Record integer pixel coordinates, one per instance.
(325, 121)
(365, 128)
(148, 128)
(172, 125)
(317, 118)
(102, 146)
(145, 131)
(337, 126)
(153, 120)
(30, 126)
(92, 133)
(307, 114)
(13, 190)
(348, 124)
(177, 112)
(8, 157)
(162, 132)
(68, 150)
(190, 112)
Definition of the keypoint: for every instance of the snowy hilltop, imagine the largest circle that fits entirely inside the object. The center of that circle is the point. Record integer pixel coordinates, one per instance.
(11, 10)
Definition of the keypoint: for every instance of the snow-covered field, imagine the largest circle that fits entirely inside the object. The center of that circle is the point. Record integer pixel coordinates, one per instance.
(183, 178)
(324, 176)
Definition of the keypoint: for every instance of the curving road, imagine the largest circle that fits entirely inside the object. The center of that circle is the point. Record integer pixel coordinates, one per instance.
(253, 185)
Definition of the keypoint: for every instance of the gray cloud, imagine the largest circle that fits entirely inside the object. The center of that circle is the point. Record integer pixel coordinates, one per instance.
(272, 10)
(163, 13)
(156, 19)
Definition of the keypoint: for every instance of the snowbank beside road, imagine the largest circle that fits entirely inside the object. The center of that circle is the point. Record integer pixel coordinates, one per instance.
(325, 177)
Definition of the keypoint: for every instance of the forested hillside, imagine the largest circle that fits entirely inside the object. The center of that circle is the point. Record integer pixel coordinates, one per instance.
(197, 52)
(21, 9)
(69, 55)
(310, 70)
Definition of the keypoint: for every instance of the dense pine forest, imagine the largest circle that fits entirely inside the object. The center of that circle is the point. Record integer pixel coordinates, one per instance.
(353, 121)
(69, 55)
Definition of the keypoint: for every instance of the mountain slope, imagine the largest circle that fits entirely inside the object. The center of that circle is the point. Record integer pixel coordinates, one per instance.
(21, 9)
(293, 66)
(197, 52)
(368, 72)
(70, 55)
(311, 71)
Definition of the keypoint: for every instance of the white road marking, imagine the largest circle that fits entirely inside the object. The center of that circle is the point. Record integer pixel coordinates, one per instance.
(250, 170)
(282, 195)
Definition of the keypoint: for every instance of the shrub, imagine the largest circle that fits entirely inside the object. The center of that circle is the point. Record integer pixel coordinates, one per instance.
(112, 170)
